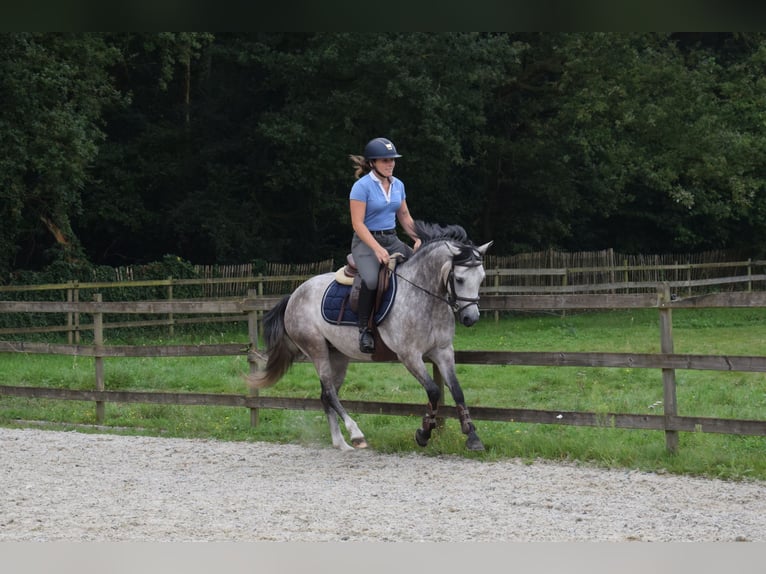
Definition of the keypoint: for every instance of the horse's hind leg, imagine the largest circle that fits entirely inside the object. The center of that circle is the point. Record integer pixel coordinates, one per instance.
(331, 376)
(335, 433)
(333, 409)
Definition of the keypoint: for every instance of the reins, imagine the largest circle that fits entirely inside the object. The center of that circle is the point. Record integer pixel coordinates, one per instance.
(424, 290)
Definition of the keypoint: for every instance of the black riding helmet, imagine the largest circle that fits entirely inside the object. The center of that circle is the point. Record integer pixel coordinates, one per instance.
(380, 148)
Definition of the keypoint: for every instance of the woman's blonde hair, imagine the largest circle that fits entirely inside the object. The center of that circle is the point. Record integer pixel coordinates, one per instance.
(361, 165)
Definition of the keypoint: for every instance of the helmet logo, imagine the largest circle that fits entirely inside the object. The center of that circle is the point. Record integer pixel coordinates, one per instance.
(389, 146)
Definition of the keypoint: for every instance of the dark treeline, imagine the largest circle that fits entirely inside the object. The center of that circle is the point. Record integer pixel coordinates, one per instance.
(122, 148)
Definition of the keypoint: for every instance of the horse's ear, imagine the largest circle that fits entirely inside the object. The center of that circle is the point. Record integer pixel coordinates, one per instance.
(483, 248)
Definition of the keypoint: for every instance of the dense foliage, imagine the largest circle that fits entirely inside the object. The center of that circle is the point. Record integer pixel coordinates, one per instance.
(121, 148)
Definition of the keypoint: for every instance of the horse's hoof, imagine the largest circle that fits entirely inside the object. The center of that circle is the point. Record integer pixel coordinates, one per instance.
(420, 438)
(474, 443)
(359, 443)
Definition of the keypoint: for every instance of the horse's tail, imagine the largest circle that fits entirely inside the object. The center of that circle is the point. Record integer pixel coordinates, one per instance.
(280, 349)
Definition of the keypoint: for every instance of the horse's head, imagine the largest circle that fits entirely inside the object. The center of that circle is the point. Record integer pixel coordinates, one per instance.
(463, 272)
(463, 276)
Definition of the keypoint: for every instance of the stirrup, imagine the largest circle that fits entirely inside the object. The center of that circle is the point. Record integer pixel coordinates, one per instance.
(366, 341)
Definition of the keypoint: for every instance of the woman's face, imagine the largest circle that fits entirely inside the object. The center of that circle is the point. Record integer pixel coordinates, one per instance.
(385, 166)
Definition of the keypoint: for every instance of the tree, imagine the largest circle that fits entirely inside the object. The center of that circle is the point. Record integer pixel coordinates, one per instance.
(53, 89)
(429, 93)
(149, 164)
(234, 147)
(666, 139)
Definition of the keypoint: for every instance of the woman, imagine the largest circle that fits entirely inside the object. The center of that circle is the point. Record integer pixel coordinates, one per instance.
(377, 201)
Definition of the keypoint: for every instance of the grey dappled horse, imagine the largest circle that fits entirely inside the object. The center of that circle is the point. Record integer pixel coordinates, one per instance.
(437, 284)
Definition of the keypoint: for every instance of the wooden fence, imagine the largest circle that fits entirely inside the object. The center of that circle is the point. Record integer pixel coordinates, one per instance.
(667, 361)
(634, 275)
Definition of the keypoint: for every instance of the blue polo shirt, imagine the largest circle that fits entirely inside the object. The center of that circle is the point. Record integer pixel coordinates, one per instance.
(380, 213)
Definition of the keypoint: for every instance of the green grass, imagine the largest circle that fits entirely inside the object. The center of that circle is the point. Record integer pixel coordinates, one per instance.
(701, 393)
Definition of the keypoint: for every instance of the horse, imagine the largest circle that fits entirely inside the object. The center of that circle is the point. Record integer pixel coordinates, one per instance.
(436, 286)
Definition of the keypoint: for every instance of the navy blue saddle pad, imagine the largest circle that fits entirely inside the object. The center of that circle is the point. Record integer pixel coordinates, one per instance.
(335, 294)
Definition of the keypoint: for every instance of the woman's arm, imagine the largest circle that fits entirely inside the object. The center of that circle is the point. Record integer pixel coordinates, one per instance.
(408, 224)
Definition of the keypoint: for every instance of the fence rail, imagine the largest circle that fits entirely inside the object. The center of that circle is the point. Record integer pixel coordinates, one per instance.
(250, 307)
(626, 279)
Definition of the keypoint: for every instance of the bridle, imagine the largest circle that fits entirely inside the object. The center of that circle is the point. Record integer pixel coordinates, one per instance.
(453, 298)
(470, 258)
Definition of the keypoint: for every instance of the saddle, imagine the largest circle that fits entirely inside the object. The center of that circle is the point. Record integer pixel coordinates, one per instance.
(349, 275)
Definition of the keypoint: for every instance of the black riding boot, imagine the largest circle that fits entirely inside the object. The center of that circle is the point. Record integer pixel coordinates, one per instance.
(364, 308)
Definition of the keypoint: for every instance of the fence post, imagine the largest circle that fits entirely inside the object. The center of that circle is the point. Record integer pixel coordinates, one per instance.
(69, 318)
(98, 353)
(171, 329)
(76, 299)
(252, 333)
(668, 375)
(749, 273)
(626, 274)
(260, 313)
(565, 283)
(689, 279)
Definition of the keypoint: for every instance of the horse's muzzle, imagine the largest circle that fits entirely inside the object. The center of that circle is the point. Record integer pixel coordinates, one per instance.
(469, 315)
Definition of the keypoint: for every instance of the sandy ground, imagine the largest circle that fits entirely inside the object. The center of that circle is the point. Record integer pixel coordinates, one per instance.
(71, 486)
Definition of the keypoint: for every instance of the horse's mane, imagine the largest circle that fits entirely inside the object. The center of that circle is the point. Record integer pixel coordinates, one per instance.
(428, 232)
(432, 234)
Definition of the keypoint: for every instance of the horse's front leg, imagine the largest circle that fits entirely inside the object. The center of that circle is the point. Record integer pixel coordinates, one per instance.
(417, 368)
(423, 434)
(473, 442)
(445, 362)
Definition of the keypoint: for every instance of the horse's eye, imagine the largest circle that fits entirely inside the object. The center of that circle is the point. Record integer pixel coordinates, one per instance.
(459, 280)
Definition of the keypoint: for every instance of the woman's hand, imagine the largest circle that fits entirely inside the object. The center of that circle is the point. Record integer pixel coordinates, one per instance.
(381, 254)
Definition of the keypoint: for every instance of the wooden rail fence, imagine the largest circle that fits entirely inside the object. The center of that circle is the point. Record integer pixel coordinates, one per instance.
(688, 279)
(250, 307)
